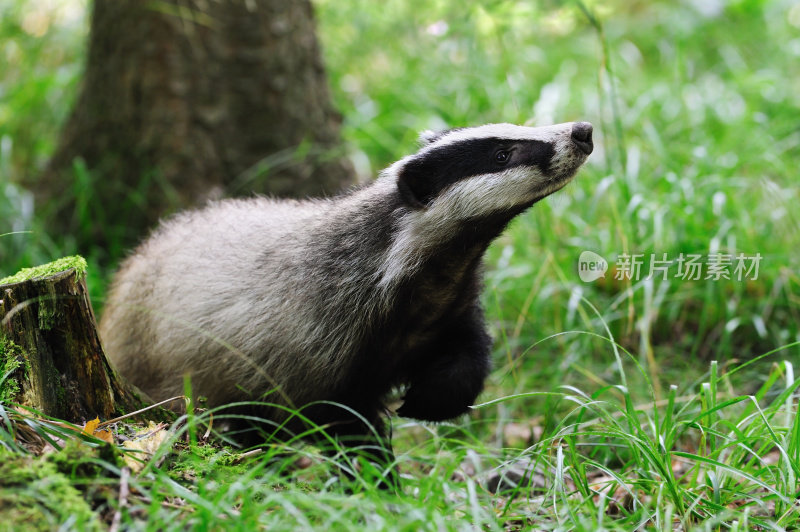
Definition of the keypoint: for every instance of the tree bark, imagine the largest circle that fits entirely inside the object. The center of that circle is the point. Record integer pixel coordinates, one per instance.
(186, 100)
(48, 328)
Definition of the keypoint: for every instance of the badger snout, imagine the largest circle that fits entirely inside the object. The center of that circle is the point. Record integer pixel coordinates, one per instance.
(582, 136)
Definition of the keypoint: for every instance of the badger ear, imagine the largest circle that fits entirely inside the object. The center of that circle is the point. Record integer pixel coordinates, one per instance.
(414, 184)
(428, 136)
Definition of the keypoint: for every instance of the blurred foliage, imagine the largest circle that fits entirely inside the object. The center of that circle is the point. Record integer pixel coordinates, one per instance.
(697, 140)
(41, 54)
(41, 59)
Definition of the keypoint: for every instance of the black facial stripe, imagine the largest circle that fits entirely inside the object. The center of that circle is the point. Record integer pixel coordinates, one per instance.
(536, 153)
(424, 176)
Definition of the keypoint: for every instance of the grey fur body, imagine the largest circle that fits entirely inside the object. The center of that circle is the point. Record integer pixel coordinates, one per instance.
(337, 299)
(208, 294)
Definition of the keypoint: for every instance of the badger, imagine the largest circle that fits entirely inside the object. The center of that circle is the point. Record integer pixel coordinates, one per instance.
(320, 308)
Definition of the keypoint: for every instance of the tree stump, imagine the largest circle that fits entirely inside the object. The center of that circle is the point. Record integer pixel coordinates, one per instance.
(50, 350)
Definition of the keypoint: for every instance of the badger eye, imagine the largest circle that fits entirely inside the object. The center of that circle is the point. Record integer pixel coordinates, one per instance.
(502, 156)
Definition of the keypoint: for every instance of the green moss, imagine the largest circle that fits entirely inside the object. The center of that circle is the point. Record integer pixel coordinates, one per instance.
(65, 263)
(48, 308)
(205, 460)
(77, 460)
(35, 496)
(11, 360)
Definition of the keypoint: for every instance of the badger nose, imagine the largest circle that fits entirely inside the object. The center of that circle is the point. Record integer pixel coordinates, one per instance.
(582, 136)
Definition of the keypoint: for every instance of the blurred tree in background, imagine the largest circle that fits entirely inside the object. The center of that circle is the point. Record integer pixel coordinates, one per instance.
(183, 101)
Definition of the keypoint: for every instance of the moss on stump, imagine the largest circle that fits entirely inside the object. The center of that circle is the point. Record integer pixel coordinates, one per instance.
(50, 346)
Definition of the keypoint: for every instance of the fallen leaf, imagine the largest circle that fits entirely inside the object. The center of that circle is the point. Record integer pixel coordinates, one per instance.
(145, 444)
(90, 426)
(104, 435)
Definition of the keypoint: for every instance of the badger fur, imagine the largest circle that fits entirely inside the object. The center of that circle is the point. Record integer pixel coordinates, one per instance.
(338, 300)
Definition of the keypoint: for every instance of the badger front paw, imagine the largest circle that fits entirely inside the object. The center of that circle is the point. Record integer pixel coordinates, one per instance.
(445, 390)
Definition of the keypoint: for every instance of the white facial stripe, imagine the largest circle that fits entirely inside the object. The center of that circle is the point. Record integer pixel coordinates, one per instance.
(505, 131)
(423, 230)
(485, 194)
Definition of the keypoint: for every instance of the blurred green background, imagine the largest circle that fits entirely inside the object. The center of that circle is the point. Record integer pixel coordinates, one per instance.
(696, 107)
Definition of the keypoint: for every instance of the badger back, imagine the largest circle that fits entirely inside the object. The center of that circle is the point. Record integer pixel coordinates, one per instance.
(226, 294)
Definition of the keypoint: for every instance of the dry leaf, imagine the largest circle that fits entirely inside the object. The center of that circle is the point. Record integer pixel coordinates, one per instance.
(104, 435)
(145, 443)
(90, 428)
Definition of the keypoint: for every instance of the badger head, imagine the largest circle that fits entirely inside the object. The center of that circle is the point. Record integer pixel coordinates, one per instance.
(482, 171)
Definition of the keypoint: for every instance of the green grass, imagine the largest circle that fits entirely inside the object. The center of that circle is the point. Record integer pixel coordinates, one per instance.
(650, 403)
(704, 457)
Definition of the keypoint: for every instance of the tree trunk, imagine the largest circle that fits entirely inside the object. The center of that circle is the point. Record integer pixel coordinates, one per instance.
(186, 100)
(52, 353)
